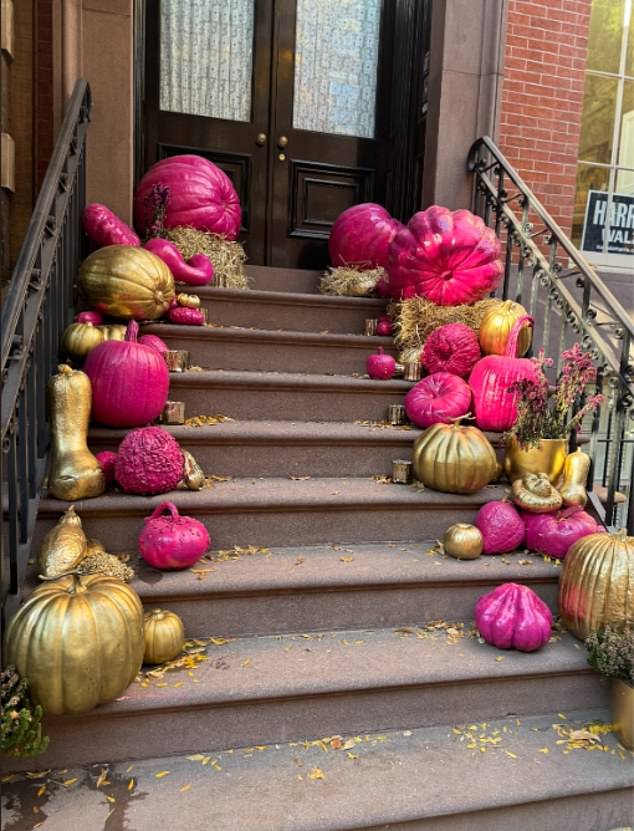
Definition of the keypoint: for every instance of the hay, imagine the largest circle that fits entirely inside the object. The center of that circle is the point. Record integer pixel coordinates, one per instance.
(228, 258)
(416, 318)
(350, 282)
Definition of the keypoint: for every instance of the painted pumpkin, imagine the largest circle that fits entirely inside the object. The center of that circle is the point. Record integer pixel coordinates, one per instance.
(462, 541)
(381, 367)
(534, 494)
(82, 337)
(441, 397)
(361, 235)
(197, 271)
(164, 636)
(105, 228)
(501, 526)
(64, 546)
(174, 541)
(554, 534)
(149, 461)
(495, 329)
(575, 476)
(513, 617)
(452, 347)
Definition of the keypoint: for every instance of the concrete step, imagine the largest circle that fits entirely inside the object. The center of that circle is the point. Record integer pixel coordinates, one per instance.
(274, 278)
(424, 779)
(236, 347)
(275, 511)
(279, 688)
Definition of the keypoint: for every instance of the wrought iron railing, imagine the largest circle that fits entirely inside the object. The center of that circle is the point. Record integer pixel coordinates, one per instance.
(37, 308)
(569, 301)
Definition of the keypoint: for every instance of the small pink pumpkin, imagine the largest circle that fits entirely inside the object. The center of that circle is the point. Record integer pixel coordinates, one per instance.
(501, 527)
(155, 342)
(453, 347)
(105, 228)
(197, 271)
(384, 326)
(174, 541)
(96, 318)
(149, 461)
(553, 534)
(107, 459)
(184, 316)
(441, 397)
(381, 367)
(361, 235)
(513, 617)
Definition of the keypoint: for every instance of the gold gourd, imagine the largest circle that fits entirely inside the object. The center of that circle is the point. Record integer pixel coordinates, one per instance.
(164, 635)
(81, 338)
(191, 301)
(193, 474)
(496, 326)
(463, 541)
(453, 458)
(535, 494)
(126, 281)
(410, 355)
(64, 546)
(575, 475)
(596, 585)
(79, 641)
(74, 472)
(114, 331)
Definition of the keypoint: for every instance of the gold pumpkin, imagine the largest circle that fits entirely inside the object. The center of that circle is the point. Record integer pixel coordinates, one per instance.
(126, 281)
(573, 487)
(74, 472)
(64, 546)
(164, 636)
(596, 586)
(191, 301)
(534, 493)
(80, 338)
(79, 641)
(496, 326)
(463, 541)
(454, 459)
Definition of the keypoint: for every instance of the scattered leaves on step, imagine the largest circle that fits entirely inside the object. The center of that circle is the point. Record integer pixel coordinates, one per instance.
(161, 774)
(238, 551)
(41, 790)
(583, 738)
(184, 788)
(31, 774)
(111, 799)
(201, 573)
(499, 658)
(346, 559)
(69, 782)
(316, 773)
(206, 420)
(102, 779)
(381, 424)
(246, 662)
(543, 750)
(512, 755)
(525, 562)
(299, 561)
(382, 480)
(298, 478)
(194, 368)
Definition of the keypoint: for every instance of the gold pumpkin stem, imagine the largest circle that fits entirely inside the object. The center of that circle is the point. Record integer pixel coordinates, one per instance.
(75, 574)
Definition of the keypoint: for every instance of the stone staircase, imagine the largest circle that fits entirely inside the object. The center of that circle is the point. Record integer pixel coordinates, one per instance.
(335, 617)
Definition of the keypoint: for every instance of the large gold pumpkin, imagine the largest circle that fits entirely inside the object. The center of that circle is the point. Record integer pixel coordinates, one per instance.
(127, 282)
(596, 586)
(496, 326)
(79, 641)
(454, 459)
(164, 636)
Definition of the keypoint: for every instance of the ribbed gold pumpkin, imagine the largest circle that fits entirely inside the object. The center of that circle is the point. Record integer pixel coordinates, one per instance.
(125, 281)
(79, 641)
(496, 326)
(596, 586)
(164, 636)
(454, 459)
(80, 338)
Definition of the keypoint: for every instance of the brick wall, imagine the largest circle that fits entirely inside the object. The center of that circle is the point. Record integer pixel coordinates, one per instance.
(542, 95)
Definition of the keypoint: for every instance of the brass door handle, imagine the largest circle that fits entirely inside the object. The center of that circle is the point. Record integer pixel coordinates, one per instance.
(260, 139)
(282, 141)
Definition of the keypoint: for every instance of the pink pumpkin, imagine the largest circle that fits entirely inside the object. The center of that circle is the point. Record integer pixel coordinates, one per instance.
(105, 228)
(201, 195)
(107, 460)
(155, 342)
(149, 461)
(441, 397)
(197, 271)
(453, 347)
(184, 316)
(495, 408)
(384, 326)
(130, 381)
(553, 534)
(174, 541)
(382, 288)
(96, 318)
(449, 258)
(381, 367)
(361, 235)
(513, 617)
(501, 527)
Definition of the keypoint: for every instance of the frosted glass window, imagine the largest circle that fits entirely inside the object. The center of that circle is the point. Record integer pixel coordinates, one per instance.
(206, 57)
(336, 59)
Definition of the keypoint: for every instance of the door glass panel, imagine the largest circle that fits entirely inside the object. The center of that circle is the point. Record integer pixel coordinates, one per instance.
(626, 144)
(336, 59)
(606, 32)
(206, 57)
(597, 119)
(589, 178)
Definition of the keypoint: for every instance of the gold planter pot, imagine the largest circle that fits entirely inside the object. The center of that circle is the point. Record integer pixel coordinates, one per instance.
(623, 712)
(546, 457)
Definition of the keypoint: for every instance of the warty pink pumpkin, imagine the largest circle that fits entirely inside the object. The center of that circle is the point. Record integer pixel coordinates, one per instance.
(96, 318)
(453, 347)
(448, 257)
(361, 235)
(155, 342)
(441, 397)
(130, 381)
(201, 195)
(553, 534)
(381, 367)
(501, 526)
(495, 408)
(149, 460)
(513, 617)
(105, 228)
(184, 316)
(197, 271)
(107, 459)
(174, 541)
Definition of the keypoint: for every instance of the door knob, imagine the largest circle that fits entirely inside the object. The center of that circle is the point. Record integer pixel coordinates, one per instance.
(282, 141)
(260, 139)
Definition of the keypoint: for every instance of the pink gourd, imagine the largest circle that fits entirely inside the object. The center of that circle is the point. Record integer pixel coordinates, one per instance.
(197, 271)
(361, 235)
(384, 326)
(130, 381)
(448, 257)
(174, 541)
(107, 459)
(105, 228)
(96, 318)
(494, 407)
(553, 534)
(513, 617)
(149, 461)
(155, 342)
(201, 195)
(453, 347)
(501, 527)
(441, 397)
(184, 316)
(381, 367)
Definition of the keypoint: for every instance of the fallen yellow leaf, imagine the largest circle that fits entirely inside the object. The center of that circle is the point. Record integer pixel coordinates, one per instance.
(316, 773)
(161, 774)
(131, 784)
(543, 750)
(69, 782)
(184, 788)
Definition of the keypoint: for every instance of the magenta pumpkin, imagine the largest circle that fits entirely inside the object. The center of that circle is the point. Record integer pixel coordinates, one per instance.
(495, 408)
(384, 326)
(197, 271)
(155, 342)
(361, 235)
(453, 347)
(381, 367)
(184, 316)
(513, 617)
(201, 195)
(130, 381)
(441, 397)
(382, 288)
(501, 527)
(553, 534)
(96, 318)
(149, 461)
(174, 541)
(107, 460)
(105, 228)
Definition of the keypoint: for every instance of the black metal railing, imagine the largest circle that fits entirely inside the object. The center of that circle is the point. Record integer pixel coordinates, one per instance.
(37, 308)
(569, 301)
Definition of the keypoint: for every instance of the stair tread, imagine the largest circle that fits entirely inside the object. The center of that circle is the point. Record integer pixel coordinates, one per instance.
(255, 295)
(282, 336)
(295, 381)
